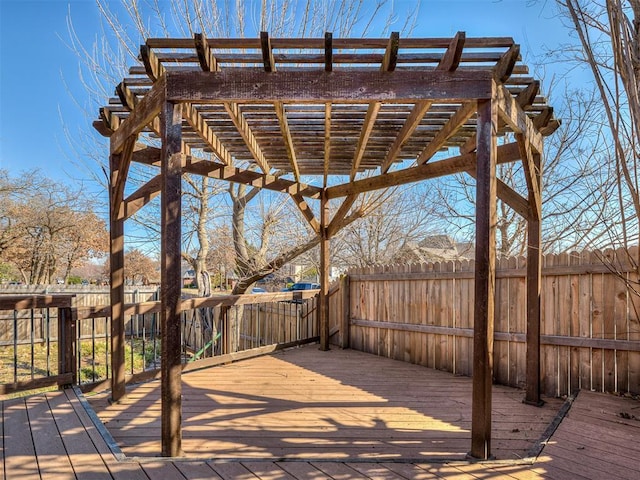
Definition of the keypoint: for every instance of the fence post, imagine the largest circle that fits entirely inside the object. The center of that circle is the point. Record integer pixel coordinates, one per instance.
(345, 318)
(67, 356)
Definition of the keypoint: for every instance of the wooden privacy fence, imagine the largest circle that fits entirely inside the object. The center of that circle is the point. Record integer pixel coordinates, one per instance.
(423, 313)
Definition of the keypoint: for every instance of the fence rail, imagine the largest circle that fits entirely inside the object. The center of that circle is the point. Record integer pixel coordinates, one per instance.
(49, 340)
(590, 327)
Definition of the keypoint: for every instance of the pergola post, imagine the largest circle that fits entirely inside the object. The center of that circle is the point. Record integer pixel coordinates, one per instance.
(171, 212)
(323, 310)
(485, 273)
(534, 274)
(116, 282)
(119, 161)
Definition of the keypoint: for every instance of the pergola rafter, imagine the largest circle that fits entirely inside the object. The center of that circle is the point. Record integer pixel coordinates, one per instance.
(273, 111)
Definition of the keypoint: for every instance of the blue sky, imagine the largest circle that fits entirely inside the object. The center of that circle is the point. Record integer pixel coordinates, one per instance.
(41, 94)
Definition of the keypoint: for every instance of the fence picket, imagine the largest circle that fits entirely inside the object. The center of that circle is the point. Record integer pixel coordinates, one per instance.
(589, 319)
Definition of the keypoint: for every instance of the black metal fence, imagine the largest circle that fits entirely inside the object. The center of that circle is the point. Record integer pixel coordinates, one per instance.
(47, 340)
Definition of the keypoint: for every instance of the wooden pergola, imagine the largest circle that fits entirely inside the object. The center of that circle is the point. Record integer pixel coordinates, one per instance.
(328, 109)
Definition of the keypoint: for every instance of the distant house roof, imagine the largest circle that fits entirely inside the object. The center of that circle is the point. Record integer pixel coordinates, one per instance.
(434, 248)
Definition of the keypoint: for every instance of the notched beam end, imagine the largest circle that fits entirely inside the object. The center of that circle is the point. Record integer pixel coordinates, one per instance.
(147, 57)
(102, 128)
(328, 51)
(504, 67)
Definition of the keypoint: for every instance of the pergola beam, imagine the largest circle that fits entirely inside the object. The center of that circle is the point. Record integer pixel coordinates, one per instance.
(302, 86)
(447, 131)
(365, 133)
(304, 208)
(461, 163)
(151, 156)
(247, 135)
(147, 109)
(138, 199)
(288, 139)
(511, 112)
(338, 220)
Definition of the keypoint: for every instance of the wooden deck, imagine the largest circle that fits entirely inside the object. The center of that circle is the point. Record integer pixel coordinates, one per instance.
(336, 405)
(360, 430)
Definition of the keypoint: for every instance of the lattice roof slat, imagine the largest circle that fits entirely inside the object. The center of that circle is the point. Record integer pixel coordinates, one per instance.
(261, 133)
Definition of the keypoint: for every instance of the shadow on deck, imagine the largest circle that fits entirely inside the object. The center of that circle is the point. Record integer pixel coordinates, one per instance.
(371, 415)
(340, 405)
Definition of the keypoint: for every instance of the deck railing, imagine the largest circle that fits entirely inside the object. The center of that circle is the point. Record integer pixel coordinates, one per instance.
(47, 340)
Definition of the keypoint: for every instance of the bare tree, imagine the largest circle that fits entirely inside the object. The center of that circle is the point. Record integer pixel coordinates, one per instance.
(609, 38)
(129, 22)
(576, 189)
(405, 215)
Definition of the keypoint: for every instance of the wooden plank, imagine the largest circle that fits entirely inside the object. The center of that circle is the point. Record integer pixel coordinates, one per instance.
(597, 326)
(206, 57)
(549, 355)
(301, 470)
(533, 300)
(484, 280)
(621, 326)
(161, 470)
(584, 331)
(457, 120)
(345, 313)
(324, 274)
(391, 53)
(232, 470)
(197, 470)
(118, 470)
(117, 308)
(365, 133)
(574, 325)
(142, 196)
(171, 280)
(50, 451)
(328, 51)
(306, 211)
(338, 220)
(509, 196)
(562, 326)
(86, 460)
(248, 136)
(514, 116)
(216, 170)
(504, 67)
(608, 315)
(288, 139)
(502, 323)
(195, 119)
(55, 380)
(461, 163)
(252, 86)
(19, 453)
(327, 142)
(268, 470)
(411, 123)
(146, 110)
(451, 58)
(335, 470)
(532, 174)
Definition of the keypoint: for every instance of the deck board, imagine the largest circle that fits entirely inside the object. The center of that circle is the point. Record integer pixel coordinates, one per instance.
(337, 405)
(598, 438)
(49, 447)
(19, 457)
(87, 462)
